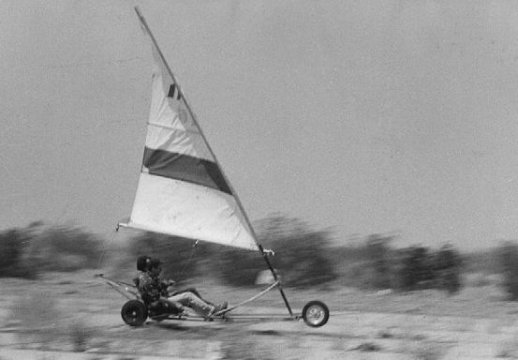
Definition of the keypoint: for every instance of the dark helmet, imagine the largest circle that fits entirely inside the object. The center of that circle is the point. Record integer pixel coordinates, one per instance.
(153, 263)
(143, 262)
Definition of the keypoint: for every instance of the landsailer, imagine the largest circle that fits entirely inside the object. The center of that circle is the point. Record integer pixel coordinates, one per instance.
(183, 191)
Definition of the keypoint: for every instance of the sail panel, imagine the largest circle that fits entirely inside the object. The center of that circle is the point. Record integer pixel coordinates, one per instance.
(171, 126)
(184, 209)
(184, 167)
(182, 190)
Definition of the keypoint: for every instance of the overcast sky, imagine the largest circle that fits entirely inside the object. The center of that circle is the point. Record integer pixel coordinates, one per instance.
(396, 117)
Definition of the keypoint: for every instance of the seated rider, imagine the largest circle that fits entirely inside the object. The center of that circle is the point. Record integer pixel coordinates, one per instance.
(152, 289)
(142, 264)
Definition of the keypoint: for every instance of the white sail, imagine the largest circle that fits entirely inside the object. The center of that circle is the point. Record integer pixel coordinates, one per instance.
(182, 190)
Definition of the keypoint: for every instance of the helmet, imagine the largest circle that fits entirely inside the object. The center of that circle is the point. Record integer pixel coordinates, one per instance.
(153, 263)
(143, 262)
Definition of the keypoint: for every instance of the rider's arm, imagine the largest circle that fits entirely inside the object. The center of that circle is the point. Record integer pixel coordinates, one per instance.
(164, 287)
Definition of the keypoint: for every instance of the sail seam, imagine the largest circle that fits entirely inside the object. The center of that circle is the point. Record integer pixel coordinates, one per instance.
(168, 127)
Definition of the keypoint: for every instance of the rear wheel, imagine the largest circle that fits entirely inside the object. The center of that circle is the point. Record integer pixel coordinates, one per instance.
(134, 313)
(315, 313)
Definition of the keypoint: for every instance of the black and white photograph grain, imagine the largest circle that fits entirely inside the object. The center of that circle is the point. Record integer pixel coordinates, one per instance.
(258, 179)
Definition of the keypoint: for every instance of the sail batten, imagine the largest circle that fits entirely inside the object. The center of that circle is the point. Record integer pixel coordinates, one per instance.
(182, 190)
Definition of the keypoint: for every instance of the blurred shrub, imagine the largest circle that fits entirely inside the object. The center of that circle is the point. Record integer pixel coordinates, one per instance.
(447, 269)
(238, 267)
(302, 253)
(422, 268)
(13, 244)
(416, 268)
(509, 263)
(36, 248)
(366, 264)
(379, 254)
(301, 256)
(62, 248)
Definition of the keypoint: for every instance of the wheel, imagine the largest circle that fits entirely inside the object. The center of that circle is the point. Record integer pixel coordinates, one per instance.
(134, 313)
(315, 313)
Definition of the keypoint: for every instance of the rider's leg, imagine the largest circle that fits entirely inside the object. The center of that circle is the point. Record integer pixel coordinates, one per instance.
(195, 292)
(194, 302)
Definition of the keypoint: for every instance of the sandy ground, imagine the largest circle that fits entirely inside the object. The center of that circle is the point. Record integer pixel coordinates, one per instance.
(74, 316)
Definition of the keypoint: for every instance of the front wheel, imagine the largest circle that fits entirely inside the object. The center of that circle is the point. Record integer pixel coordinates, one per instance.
(315, 313)
(134, 313)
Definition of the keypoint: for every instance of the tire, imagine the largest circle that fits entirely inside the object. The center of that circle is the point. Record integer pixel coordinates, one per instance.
(315, 313)
(134, 313)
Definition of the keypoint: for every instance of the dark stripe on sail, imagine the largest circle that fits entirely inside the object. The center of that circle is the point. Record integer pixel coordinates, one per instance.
(185, 168)
(172, 90)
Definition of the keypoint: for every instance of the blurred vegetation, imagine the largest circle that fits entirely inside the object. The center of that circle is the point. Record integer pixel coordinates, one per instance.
(425, 269)
(417, 268)
(378, 251)
(301, 255)
(13, 245)
(375, 264)
(305, 257)
(38, 248)
(508, 253)
(447, 267)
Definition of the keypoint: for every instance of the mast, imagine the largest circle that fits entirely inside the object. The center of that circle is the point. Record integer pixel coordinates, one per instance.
(234, 193)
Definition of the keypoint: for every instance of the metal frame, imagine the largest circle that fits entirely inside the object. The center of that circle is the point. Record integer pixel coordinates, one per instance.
(129, 292)
(117, 285)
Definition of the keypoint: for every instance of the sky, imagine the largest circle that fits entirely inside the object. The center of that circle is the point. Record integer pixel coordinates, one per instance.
(387, 117)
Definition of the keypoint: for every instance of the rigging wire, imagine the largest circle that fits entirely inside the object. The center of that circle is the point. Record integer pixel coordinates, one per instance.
(188, 262)
(103, 252)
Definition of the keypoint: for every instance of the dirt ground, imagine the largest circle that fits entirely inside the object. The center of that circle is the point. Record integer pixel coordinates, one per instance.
(74, 316)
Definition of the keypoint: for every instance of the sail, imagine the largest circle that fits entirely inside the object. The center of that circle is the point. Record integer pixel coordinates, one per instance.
(182, 190)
